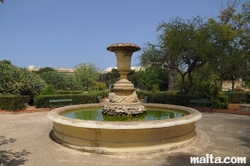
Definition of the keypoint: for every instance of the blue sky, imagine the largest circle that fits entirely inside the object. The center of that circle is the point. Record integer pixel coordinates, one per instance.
(63, 33)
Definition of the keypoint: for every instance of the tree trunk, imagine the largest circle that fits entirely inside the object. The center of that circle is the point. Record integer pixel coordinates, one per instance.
(183, 84)
(233, 82)
(221, 82)
(171, 80)
(190, 80)
(189, 84)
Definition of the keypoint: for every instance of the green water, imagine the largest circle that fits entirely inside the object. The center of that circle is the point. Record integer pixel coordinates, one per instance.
(95, 114)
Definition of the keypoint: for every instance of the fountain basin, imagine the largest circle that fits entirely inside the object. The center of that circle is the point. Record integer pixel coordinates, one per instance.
(124, 137)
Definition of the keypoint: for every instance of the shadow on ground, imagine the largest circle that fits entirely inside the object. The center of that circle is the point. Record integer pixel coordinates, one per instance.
(245, 127)
(246, 141)
(10, 157)
(241, 121)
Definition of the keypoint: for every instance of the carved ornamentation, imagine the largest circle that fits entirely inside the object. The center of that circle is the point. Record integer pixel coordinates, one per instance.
(113, 98)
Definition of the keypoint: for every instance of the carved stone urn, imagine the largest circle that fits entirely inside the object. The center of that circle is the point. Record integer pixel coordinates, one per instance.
(123, 99)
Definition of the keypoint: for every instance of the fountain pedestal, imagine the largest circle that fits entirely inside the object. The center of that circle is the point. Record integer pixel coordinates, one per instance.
(123, 99)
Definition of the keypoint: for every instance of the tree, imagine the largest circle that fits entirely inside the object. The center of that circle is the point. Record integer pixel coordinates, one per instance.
(155, 76)
(45, 69)
(87, 74)
(99, 86)
(32, 83)
(152, 58)
(151, 54)
(184, 46)
(49, 90)
(231, 37)
(10, 80)
(206, 90)
(61, 81)
(110, 77)
(243, 22)
(72, 82)
(18, 81)
(134, 77)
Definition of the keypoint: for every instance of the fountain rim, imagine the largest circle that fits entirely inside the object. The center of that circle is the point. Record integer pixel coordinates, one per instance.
(193, 116)
(123, 46)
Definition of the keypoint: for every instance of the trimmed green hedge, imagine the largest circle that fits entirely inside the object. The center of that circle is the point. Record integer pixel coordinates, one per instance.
(237, 97)
(42, 101)
(72, 92)
(14, 103)
(166, 97)
(171, 98)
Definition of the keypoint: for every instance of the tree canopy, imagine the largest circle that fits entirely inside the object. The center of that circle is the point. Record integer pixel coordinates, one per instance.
(184, 46)
(18, 81)
(87, 74)
(61, 81)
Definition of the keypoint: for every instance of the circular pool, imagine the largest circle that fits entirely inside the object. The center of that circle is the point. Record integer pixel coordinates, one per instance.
(114, 137)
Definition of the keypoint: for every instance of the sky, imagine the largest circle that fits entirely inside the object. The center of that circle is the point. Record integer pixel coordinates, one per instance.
(63, 33)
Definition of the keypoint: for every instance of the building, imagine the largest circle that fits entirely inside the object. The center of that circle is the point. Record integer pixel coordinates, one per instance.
(239, 85)
(71, 70)
(136, 69)
(65, 70)
(60, 70)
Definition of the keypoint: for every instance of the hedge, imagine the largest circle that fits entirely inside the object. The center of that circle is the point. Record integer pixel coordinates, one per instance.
(176, 99)
(237, 97)
(14, 103)
(42, 101)
(71, 92)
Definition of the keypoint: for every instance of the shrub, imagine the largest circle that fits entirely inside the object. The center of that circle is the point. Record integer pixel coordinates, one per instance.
(166, 97)
(87, 74)
(155, 88)
(221, 102)
(247, 97)
(18, 81)
(31, 84)
(14, 103)
(61, 81)
(205, 90)
(42, 101)
(237, 97)
(9, 78)
(49, 90)
(72, 92)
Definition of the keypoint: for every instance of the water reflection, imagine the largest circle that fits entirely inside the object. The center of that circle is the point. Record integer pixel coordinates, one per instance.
(96, 114)
(87, 115)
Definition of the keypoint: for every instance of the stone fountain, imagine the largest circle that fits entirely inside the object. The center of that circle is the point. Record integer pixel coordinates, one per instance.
(119, 137)
(123, 100)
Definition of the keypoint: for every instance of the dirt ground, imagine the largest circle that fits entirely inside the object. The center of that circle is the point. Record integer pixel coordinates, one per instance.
(234, 107)
(27, 142)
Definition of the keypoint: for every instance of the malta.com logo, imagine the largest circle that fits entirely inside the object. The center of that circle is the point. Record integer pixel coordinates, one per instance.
(210, 159)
